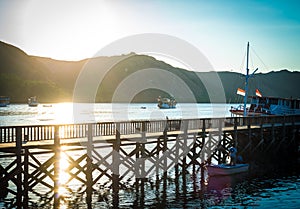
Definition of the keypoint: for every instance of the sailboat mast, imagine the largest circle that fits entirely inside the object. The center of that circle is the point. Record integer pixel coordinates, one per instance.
(246, 83)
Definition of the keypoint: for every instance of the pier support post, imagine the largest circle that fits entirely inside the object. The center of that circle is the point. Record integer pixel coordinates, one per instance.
(249, 155)
(235, 132)
(19, 166)
(143, 152)
(89, 166)
(262, 137)
(273, 134)
(26, 177)
(115, 167)
(220, 157)
(293, 128)
(283, 128)
(184, 186)
(164, 149)
(56, 166)
(203, 136)
(177, 194)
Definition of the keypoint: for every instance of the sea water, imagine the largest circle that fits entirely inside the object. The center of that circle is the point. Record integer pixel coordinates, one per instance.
(67, 113)
(279, 188)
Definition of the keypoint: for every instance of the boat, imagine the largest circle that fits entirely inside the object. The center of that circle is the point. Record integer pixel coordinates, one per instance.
(260, 106)
(32, 102)
(47, 105)
(166, 103)
(4, 101)
(264, 105)
(227, 169)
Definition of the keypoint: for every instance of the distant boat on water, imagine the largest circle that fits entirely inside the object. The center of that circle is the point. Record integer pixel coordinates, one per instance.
(4, 101)
(166, 103)
(32, 102)
(47, 105)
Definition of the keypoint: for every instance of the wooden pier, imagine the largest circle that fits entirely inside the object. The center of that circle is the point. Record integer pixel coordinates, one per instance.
(39, 163)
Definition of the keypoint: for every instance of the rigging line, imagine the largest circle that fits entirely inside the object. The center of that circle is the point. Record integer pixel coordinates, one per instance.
(252, 66)
(241, 71)
(266, 67)
(259, 80)
(243, 63)
(236, 98)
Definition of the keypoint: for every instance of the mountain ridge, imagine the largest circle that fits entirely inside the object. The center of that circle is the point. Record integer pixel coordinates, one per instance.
(51, 80)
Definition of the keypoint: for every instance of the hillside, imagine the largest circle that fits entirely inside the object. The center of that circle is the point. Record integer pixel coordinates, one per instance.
(126, 78)
(282, 83)
(22, 76)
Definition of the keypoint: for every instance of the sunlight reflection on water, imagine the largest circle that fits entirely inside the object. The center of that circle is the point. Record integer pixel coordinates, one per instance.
(240, 192)
(64, 113)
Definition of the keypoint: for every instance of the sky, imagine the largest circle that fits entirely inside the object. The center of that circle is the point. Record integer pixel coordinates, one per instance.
(220, 29)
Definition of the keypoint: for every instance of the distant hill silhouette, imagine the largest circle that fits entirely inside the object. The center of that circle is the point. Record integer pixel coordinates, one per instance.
(51, 80)
(22, 76)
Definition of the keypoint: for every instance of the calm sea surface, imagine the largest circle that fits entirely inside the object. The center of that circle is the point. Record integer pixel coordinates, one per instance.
(277, 189)
(61, 113)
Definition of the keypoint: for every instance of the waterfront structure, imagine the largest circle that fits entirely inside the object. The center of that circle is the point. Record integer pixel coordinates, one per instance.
(136, 150)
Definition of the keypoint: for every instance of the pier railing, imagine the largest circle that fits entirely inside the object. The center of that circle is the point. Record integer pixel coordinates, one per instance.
(9, 134)
(112, 154)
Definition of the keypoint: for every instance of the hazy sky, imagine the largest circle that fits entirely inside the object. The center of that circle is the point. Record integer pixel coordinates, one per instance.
(220, 29)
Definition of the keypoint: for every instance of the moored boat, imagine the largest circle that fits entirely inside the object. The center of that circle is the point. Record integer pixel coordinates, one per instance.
(32, 102)
(226, 169)
(4, 101)
(264, 105)
(269, 106)
(166, 103)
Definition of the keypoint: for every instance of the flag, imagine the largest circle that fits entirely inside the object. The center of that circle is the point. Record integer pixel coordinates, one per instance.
(257, 93)
(241, 92)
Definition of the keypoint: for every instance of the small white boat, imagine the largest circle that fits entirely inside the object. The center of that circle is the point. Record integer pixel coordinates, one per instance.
(226, 169)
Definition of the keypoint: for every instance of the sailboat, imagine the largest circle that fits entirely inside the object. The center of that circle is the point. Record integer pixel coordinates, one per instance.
(264, 105)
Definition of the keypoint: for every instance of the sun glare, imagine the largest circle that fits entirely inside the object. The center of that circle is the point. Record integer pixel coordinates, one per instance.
(63, 172)
(63, 112)
(83, 27)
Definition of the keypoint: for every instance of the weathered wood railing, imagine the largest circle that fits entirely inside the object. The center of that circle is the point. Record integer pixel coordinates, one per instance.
(9, 134)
